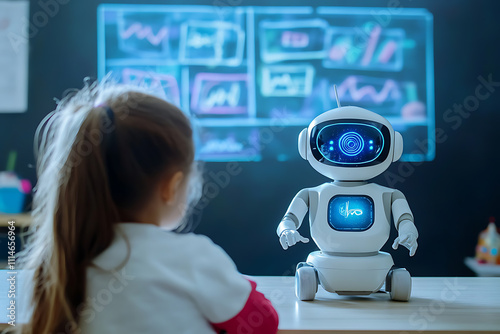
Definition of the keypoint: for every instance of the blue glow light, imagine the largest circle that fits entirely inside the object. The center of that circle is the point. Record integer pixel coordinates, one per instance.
(494, 251)
(331, 142)
(351, 143)
(331, 148)
(370, 142)
(371, 147)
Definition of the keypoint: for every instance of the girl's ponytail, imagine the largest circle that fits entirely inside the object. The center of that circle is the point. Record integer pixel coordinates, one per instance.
(99, 154)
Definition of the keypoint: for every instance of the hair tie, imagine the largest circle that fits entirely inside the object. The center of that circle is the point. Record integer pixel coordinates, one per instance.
(109, 112)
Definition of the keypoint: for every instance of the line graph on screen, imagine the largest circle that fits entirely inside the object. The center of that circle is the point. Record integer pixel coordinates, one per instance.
(369, 92)
(141, 32)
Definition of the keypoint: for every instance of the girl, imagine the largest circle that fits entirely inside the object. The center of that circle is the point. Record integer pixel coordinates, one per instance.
(116, 177)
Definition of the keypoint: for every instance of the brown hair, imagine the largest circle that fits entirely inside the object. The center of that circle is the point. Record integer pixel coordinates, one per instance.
(100, 154)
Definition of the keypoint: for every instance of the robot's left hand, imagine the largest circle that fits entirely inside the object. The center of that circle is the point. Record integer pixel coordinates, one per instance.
(408, 235)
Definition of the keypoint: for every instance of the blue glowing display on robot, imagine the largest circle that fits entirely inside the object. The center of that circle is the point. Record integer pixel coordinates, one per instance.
(350, 218)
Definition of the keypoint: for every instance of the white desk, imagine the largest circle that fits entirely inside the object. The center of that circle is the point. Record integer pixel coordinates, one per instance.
(21, 219)
(438, 305)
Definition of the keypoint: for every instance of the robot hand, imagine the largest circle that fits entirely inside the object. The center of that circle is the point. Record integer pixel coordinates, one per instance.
(408, 235)
(289, 238)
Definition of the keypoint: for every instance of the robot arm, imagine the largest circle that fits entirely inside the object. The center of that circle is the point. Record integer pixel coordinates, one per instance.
(287, 229)
(403, 220)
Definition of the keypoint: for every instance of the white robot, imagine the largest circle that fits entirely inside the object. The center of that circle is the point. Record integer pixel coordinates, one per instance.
(350, 218)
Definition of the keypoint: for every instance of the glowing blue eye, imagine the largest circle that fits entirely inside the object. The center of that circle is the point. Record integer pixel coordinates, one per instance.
(371, 147)
(351, 143)
(494, 251)
(331, 148)
(370, 142)
(331, 142)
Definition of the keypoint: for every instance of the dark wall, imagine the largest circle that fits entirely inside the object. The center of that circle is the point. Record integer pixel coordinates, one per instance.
(451, 197)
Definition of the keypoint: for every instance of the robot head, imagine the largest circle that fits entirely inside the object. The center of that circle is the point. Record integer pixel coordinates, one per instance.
(350, 144)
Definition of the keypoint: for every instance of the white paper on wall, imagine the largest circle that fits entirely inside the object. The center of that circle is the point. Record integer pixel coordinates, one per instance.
(13, 56)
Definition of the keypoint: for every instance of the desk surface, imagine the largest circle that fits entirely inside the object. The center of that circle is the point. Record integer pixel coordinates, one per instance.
(22, 219)
(439, 304)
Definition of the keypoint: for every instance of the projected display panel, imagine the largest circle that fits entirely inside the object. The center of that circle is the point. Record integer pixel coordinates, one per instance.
(255, 76)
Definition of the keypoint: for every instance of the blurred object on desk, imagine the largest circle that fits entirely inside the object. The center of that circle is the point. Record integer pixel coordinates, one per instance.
(488, 244)
(487, 260)
(482, 269)
(13, 190)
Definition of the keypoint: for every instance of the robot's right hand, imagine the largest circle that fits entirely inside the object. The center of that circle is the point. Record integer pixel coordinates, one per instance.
(289, 238)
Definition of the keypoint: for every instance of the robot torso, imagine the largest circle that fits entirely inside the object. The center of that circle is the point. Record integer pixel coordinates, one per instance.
(348, 217)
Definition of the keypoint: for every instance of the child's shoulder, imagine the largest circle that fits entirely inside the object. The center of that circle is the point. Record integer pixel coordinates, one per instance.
(199, 244)
(203, 253)
(191, 240)
(184, 244)
(197, 252)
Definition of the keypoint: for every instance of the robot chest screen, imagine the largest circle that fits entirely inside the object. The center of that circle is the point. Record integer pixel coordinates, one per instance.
(354, 213)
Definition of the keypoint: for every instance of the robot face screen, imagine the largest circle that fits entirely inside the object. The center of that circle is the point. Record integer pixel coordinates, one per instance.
(350, 143)
(353, 213)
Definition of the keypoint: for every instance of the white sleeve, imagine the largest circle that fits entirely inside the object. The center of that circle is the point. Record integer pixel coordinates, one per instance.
(219, 290)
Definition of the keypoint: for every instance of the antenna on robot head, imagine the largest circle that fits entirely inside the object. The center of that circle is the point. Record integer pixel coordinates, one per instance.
(336, 96)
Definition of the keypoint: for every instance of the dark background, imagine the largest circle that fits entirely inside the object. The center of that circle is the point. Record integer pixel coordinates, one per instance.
(451, 197)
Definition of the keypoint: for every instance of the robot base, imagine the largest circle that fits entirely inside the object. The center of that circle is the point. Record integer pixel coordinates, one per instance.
(351, 275)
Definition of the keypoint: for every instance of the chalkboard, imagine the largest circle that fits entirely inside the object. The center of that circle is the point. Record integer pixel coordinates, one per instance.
(253, 77)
